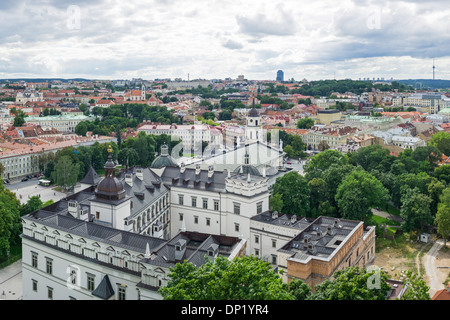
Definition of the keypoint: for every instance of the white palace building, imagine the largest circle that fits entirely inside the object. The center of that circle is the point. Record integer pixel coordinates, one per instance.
(117, 236)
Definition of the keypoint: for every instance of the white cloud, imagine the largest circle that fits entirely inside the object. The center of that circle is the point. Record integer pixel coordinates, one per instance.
(218, 39)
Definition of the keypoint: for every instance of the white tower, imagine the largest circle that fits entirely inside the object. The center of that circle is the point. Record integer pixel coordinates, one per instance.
(253, 125)
(143, 92)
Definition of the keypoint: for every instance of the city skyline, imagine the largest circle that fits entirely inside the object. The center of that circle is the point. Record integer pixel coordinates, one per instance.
(215, 40)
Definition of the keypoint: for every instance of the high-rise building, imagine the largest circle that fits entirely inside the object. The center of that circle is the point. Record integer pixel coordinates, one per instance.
(280, 75)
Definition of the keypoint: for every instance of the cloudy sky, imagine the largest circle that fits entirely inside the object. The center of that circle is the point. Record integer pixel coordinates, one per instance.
(116, 39)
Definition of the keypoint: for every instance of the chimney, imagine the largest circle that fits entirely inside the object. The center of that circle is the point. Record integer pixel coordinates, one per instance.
(210, 171)
(182, 167)
(264, 171)
(293, 218)
(197, 169)
(274, 214)
(140, 173)
(129, 179)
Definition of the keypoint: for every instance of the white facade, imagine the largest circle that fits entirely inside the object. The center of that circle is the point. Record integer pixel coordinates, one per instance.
(192, 136)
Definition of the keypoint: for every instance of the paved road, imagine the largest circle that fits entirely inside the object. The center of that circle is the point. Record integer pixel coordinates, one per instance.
(431, 269)
(11, 281)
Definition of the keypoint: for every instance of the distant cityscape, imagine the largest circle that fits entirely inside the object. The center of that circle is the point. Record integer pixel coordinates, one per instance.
(145, 174)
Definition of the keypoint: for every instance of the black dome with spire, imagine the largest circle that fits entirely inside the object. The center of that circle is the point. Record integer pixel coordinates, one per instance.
(110, 188)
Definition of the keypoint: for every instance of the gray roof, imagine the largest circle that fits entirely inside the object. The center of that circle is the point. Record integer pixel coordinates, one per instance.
(104, 289)
(197, 247)
(189, 179)
(143, 192)
(96, 232)
(91, 177)
(321, 238)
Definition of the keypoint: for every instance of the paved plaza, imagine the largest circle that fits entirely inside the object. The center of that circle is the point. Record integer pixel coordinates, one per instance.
(11, 282)
(45, 193)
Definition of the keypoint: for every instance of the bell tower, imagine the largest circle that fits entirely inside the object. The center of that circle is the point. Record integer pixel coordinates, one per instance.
(253, 124)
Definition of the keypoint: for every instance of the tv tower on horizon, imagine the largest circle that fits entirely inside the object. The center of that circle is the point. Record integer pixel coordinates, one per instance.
(434, 67)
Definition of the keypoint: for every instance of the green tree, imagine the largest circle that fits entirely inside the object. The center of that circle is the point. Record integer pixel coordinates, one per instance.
(298, 289)
(318, 195)
(322, 161)
(372, 157)
(19, 121)
(442, 221)
(81, 129)
(358, 193)
(33, 204)
(417, 288)
(305, 123)
(441, 141)
(443, 173)
(10, 224)
(295, 193)
(66, 172)
(276, 202)
(352, 283)
(323, 145)
(415, 210)
(243, 278)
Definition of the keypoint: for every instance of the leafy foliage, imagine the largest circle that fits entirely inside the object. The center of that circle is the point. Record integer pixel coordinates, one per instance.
(243, 278)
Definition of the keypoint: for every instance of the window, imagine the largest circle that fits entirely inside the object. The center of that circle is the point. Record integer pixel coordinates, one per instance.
(97, 215)
(121, 292)
(237, 208)
(208, 221)
(49, 266)
(90, 282)
(274, 243)
(34, 285)
(50, 293)
(196, 219)
(274, 259)
(256, 239)
(259, 207)
(181, 217)
(216, 205)
(34, 259)
(194, 201)
(236, 227)
(180, 199)
(257, 252)
(205, 203)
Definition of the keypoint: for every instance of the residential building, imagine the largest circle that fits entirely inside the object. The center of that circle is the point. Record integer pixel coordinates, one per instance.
(192, 136)
(62, 123)
(333, 136)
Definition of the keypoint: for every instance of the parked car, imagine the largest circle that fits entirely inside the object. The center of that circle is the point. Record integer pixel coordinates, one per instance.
(24, 179)
(5, 181)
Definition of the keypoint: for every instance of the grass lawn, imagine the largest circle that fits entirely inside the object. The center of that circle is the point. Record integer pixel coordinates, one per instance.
(393, 210)
(381, 220)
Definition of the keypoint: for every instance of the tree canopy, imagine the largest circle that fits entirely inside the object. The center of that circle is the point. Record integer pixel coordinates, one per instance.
(243, 278)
